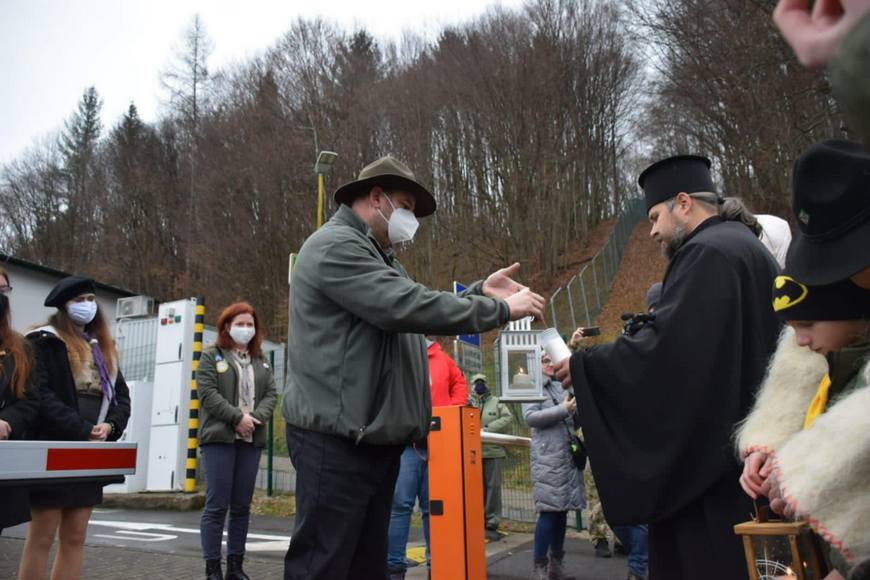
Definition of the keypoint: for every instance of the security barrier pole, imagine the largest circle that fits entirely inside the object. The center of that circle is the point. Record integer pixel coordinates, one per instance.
(193, 421)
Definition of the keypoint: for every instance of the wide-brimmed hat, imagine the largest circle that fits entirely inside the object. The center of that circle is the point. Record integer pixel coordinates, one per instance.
(67, 289)
(832, 206)
(389, 173)
(665, 179)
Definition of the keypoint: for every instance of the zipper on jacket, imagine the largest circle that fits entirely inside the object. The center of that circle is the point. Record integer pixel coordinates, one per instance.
(360, 434)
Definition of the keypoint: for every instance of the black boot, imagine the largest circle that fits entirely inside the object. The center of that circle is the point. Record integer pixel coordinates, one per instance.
(234, 568)
(213, 570)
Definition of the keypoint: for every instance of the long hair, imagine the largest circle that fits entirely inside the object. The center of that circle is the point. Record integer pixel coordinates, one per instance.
(77, 347)
(224, 321)
(17, 346)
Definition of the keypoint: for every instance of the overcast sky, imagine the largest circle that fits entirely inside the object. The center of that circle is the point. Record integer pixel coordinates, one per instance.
(51, 50)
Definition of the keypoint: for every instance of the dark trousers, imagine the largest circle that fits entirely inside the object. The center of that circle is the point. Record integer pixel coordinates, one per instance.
(550, 534)
(343, 496)
(492, 492)
(230, 474)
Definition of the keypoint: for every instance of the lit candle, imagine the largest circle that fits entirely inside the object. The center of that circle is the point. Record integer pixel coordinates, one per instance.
(522, 381)
(789, 575)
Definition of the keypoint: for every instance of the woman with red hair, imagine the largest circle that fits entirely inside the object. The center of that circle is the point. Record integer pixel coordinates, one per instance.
(237, 395)
(19, 402)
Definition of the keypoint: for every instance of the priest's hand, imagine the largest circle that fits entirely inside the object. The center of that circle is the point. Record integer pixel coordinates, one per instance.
(563, 372)
(501, 283)
(816, 35)
(752, 480)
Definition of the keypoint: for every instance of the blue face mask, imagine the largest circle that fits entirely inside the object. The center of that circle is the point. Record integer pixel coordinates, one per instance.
(480, 387)
(82, 313)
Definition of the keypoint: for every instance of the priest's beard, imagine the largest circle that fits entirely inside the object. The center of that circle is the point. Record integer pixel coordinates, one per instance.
(676, 241)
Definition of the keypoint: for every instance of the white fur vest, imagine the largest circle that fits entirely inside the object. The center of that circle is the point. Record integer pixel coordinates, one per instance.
(824, 470)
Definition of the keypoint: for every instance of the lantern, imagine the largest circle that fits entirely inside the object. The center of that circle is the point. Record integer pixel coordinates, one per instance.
(780, 550)
(520, 363)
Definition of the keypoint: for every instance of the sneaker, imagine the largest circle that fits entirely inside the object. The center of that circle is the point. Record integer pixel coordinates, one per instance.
(602, 550)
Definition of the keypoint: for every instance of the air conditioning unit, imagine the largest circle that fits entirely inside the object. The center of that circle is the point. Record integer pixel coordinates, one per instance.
(134, 307)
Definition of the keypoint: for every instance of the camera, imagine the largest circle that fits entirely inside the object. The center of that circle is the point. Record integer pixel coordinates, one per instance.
(634, 322)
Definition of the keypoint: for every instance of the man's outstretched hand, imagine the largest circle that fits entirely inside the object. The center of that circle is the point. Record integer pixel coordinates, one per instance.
(501, 283)
(563, 372)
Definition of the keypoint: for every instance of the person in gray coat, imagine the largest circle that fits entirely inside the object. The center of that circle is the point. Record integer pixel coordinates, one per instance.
(558, 484)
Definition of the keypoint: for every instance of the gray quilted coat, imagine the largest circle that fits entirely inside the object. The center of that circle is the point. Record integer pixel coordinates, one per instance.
(558, 485)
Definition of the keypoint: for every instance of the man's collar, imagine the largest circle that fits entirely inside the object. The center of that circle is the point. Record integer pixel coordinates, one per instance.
(709, 222)
(345, 215)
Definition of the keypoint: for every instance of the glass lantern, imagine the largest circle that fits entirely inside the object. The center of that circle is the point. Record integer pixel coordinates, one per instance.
(519, 365)
(780, 550)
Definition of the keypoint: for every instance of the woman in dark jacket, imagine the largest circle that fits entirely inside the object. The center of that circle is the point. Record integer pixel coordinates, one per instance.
(83, 398)
(19, 403)
(237, 396)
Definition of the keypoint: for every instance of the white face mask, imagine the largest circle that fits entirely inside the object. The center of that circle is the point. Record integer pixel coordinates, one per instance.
(242, 334)
(402, 224)
(82, 312)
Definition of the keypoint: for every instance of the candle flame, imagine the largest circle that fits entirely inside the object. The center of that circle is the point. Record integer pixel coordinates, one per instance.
(789, 571)
(521, 371)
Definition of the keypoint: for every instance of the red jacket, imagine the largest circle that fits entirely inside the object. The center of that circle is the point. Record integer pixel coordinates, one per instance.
(447, 381)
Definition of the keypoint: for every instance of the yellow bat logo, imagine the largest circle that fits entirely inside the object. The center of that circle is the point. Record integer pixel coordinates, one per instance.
(789, 292)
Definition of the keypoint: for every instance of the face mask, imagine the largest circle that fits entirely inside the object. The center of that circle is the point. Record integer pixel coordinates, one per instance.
(242, 334)
(82, 312)
(480, 388)
(402, 225)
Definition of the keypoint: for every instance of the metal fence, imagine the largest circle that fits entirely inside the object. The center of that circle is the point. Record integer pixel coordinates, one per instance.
(579, 302)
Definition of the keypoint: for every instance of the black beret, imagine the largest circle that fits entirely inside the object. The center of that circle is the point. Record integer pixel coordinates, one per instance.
(664, 179)
(67, 289)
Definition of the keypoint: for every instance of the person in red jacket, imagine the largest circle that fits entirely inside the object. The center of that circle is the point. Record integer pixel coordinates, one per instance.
(448, 387)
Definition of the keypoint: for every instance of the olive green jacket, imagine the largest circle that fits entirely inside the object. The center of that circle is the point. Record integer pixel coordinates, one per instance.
(495, 417)
(358, 364)
(850, 80)
(217, 387)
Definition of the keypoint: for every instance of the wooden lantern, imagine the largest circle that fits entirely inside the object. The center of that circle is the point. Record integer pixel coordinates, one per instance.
(779, 550)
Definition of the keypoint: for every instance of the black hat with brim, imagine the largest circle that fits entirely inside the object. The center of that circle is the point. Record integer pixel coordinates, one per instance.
(67, 289)
(832, 207)
(665, 179)
(388, 173)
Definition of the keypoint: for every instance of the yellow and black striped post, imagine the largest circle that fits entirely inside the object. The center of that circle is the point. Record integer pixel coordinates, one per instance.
(193, 421)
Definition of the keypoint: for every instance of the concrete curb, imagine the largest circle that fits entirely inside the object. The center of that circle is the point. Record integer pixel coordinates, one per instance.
(170, 501)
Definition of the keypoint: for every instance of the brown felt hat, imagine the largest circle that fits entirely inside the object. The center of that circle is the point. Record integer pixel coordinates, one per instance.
(389, 173)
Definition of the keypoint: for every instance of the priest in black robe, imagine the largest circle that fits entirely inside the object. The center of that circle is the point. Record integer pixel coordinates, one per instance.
(658, 408)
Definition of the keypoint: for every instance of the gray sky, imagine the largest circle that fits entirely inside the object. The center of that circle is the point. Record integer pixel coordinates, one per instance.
(51, 50)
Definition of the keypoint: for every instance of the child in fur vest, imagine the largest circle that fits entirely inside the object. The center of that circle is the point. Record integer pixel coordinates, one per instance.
(806, 443)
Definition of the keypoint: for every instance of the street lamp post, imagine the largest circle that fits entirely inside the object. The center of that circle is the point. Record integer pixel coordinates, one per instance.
(323, 166)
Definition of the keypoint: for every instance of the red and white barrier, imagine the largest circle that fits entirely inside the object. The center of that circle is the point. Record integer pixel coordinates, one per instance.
(48, 460)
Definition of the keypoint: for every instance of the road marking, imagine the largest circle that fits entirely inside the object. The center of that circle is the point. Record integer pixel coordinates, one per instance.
(267, 543)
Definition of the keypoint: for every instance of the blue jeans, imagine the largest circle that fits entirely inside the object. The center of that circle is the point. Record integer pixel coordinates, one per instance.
(413, 483)
(550, 534)
(636, 541)
(230, 474)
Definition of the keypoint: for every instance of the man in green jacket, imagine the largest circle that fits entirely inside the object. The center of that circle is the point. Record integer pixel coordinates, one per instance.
(495, 417)
(358, 389)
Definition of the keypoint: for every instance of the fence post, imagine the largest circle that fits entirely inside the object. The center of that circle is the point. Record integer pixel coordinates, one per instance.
(585, 301)
(571, 303)
(553, 308)
(270, 437)
(595, 278)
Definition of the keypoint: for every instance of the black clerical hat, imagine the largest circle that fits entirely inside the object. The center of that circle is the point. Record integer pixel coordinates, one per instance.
(666, 178)
(67, 289)
(842, 300)
(832, 207)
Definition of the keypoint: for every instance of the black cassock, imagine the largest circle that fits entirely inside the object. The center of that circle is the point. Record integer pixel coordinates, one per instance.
(658, 408)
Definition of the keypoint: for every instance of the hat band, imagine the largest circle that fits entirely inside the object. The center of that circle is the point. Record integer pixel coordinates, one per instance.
(843, 228)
